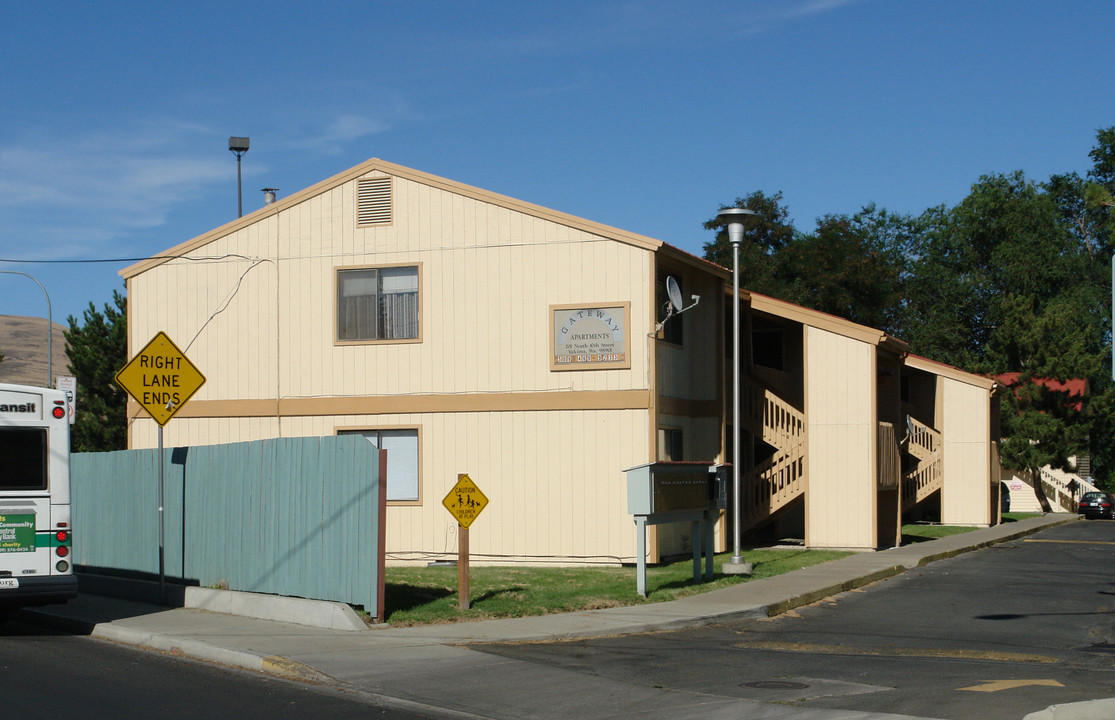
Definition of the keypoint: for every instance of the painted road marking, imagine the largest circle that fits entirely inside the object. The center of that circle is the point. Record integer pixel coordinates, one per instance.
(1073, 542)
(997, 685)
(961, 654)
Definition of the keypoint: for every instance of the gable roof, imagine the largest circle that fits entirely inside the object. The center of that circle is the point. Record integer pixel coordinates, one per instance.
(376, 164)
(953, 373)
(824, 321)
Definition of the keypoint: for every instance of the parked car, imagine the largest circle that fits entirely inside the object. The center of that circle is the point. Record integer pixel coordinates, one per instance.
(1097, 505)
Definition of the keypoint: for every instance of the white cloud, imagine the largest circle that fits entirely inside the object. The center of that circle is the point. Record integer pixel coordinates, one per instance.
(100, 186)
(333, 137)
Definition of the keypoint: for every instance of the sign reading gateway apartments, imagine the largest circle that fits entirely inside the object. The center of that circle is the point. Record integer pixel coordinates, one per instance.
(590, 337)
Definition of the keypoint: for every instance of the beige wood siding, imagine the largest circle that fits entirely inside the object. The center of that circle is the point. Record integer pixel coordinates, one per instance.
(840, 495)
(487, 277)
(255, 309)
(966, 448)
(554, 479)
(692, 370)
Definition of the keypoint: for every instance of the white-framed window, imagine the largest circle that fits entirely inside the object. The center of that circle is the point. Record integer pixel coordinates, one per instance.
(401, 445)
(377, 303)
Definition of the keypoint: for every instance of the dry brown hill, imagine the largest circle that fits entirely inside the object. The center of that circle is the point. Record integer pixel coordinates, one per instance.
(23, 340)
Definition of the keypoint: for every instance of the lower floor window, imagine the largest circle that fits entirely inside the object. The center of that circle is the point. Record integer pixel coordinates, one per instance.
(402, 460)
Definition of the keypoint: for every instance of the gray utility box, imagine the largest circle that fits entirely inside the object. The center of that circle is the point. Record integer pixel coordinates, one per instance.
(671, 487)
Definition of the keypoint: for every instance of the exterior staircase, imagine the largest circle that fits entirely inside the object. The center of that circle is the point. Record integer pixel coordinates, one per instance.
(925, 478)
(1060, 489)
(780, 479)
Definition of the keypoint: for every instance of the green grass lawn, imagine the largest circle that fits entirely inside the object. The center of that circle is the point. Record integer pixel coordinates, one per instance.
(920, 532)
(420, 595)
(417, 595)
(1016, 516)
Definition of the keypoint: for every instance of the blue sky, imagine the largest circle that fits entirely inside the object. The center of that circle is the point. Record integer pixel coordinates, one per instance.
(646, 115)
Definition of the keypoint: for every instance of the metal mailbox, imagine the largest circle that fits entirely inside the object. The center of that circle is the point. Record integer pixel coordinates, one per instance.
(666, 492)
(658, 488)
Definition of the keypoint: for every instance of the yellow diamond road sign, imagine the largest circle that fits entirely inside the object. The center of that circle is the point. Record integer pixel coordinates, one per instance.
(465, 501)
(160, 378)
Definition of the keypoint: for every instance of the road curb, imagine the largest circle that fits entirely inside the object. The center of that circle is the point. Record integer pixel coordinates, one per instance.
(944, 555)
(813, 596)
(274, 664)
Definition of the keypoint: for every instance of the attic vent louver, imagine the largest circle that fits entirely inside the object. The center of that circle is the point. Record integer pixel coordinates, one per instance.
(373, 201)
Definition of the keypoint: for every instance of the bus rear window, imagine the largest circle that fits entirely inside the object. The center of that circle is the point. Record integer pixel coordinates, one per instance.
(23, 458)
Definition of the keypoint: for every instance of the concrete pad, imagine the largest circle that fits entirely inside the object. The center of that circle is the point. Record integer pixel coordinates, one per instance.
(300, 611)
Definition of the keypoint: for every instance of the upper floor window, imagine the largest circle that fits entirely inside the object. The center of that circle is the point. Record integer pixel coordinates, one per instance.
(377, 303)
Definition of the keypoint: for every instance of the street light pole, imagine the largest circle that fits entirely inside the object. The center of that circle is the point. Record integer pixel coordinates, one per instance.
(734, 219)
(49, 327)
(239, 146)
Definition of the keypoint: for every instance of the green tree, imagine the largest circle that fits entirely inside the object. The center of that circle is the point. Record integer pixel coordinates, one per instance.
(850, 266)
(1042, 423)
(764, 237)
(97, 350)
(1006, 236)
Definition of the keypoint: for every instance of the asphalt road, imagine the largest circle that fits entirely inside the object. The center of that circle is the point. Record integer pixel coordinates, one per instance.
(996, 633)
(44, 674)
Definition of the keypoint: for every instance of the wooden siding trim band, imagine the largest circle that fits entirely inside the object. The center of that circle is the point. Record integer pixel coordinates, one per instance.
(412, 404)
(216, 408)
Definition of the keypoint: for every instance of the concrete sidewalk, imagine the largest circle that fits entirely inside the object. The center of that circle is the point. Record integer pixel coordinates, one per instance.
(429, 669)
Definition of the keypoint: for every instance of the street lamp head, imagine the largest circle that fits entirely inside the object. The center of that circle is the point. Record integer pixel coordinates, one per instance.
(733, 217)
(238, 144)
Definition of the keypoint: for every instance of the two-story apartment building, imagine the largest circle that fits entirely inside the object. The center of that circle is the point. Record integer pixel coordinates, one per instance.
(470, 332)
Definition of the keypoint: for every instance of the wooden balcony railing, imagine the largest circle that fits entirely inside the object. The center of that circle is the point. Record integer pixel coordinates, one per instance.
(924, 444)
(889, 457)
(778, 480)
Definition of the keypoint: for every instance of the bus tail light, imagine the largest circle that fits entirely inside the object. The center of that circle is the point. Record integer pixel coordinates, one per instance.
(61, 551)
(62, 536)
(62, 566)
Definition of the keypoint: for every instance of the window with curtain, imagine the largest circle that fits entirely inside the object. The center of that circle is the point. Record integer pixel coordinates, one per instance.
(377, 303)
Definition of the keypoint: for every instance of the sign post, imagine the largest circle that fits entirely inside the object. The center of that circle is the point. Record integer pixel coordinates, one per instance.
(161, 379)
(464, 502)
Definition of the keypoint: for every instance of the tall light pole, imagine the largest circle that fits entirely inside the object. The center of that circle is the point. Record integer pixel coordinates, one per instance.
(49, 327)
(734, 219)
(239, 146)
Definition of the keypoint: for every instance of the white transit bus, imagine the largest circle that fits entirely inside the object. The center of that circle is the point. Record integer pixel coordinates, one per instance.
(36, 534)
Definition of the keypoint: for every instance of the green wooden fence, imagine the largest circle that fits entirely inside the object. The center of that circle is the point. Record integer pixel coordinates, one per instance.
(291, 516)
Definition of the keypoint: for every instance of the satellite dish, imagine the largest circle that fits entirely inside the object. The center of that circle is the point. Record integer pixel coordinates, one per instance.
(674, 293)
